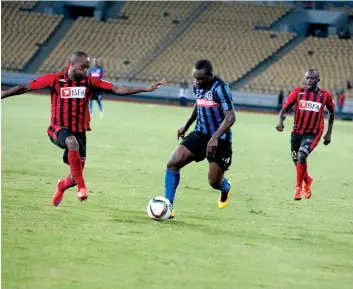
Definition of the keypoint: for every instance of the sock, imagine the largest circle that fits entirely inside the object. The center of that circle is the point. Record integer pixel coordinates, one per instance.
(100, 106)
(301, 170)
(225, 186)
(306, 176)
(76, 168)
(68, 183)
(172, 179)
(90, 106)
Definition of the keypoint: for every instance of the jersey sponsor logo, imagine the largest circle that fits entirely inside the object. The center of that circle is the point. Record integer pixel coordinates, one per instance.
(209, 95)
(73, 92)
(203, 102)
(96, 73)
(310, 105)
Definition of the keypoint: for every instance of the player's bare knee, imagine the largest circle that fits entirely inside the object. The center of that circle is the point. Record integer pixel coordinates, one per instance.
(72, 143)
(302, 157)
(173, 165)
(215, 184)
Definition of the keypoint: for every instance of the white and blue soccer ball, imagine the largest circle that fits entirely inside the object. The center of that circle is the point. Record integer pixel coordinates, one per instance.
(159, 208)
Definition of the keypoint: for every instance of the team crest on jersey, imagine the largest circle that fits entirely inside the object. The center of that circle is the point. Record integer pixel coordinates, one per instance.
(209, 95)
(73, 92)
(310, 105)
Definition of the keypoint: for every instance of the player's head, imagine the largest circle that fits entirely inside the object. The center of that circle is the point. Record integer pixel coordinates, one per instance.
(79, 64)
(203, 73)
(311, 78)
(96, 61)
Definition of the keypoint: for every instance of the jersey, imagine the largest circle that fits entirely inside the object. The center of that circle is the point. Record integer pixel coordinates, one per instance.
(96, 72)
(70, 99)
(309, 109)
(211, 104)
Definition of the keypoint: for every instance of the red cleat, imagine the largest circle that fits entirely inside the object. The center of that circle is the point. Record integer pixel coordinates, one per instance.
(82, 194)
(307, 187)
(298, 194)
(58, 196)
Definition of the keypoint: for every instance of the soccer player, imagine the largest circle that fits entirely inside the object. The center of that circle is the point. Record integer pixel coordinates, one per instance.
(309, 103)
(71, 91)
(212, 137)
(96, 71)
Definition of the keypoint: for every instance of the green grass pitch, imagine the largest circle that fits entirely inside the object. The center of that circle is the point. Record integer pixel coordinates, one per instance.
(263, 239)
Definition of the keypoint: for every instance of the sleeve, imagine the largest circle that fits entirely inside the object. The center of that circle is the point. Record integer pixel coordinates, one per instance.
(291, 100)
(329, 102)
(102, 84)
(42, 82)
(225, 97)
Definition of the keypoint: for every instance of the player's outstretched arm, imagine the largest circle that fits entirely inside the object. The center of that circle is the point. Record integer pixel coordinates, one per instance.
(20, 89)
(126, 90)
(192, 117)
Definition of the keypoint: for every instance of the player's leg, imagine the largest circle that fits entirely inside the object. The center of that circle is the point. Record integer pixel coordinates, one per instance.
(91, 107)
(308, 144)
(295, 142)
(217, 166)
(100, 105)
(75, 150)
(192, 148)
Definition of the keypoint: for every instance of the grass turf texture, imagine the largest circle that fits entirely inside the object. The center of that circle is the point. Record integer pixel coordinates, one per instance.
(263, 239)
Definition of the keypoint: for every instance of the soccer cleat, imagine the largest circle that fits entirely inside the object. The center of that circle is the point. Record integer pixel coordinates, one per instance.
(172, 215)
(307, 187)
(224, 198)
(82, 194)
(298, 194)
(58, 196)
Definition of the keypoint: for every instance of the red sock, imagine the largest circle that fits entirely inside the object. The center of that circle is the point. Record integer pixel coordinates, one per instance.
(69, 182)
(76, 168)
(306, 176)
(301, 171)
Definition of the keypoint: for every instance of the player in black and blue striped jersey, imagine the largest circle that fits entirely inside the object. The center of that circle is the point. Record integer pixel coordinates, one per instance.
(212, 137)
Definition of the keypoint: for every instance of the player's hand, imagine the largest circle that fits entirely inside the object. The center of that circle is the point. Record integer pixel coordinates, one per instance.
(327, 139)
(212, 147)
(280, 127)
(155, 86)
(181, 132)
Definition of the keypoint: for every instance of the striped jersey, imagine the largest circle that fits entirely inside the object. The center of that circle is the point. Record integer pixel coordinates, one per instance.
(309, 109)
(70, 99)
(211, 104)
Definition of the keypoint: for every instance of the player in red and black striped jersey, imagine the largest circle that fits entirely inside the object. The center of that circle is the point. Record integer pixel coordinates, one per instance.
(71, 92)
(309, 103)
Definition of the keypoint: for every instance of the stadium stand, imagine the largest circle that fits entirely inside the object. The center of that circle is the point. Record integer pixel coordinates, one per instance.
(122, 43)
(225, 33)
(22, 32)
(332, 56)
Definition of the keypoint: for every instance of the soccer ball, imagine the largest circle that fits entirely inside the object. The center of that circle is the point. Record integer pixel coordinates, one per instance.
(159, 208)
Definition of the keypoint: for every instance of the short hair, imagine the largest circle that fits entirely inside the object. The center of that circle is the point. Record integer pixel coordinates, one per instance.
(205, 65)
(76, 55)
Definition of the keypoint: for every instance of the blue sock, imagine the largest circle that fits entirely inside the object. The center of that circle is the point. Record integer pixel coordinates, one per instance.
(90, 106)
(100, 105)
(225, 186)
(172, 179)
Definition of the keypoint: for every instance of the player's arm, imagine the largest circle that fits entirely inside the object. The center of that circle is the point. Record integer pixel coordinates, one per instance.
(20, 89)
(331, 110)
(286, 107)
(226, 101)
(192, 117)
(126, 90)
(36, 84)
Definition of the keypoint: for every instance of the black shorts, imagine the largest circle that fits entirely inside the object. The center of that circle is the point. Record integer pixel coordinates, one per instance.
(196, 142)
(97, 95)
(305, 143)
(58, 134)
